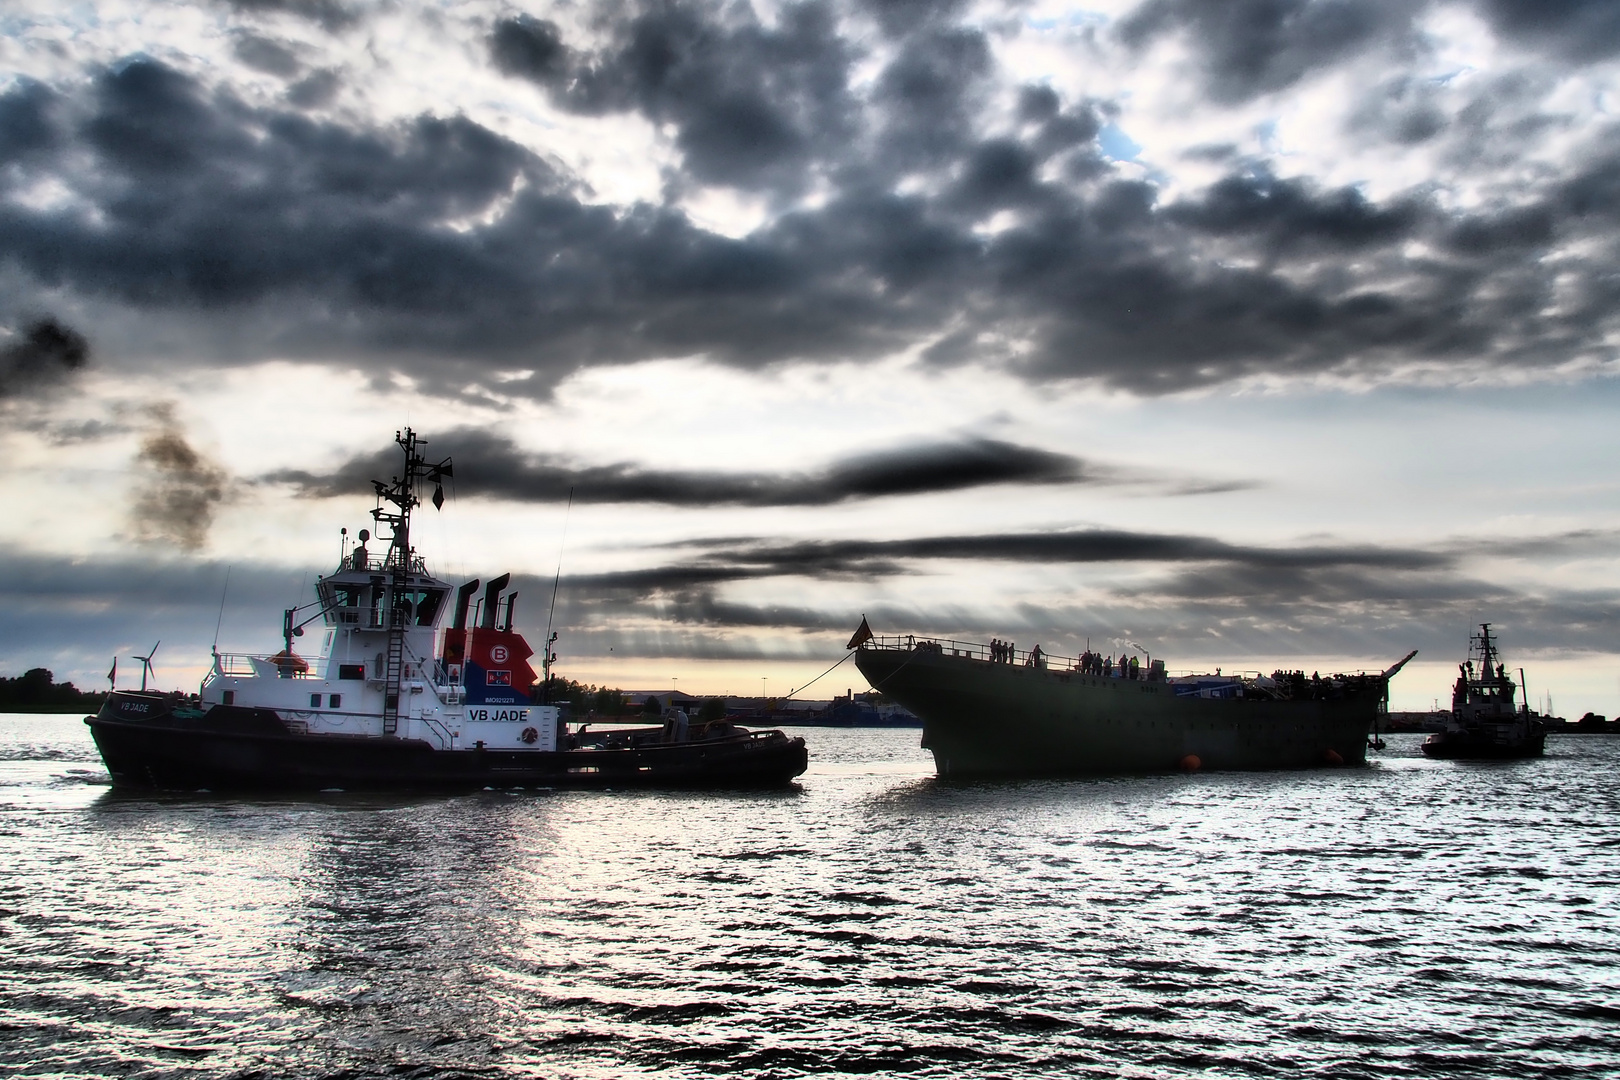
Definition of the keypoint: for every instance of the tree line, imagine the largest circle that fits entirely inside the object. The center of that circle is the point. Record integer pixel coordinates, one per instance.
(36, 690)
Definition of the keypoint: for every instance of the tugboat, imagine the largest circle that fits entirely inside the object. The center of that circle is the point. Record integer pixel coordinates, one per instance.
(1485, 722)
(394, 702)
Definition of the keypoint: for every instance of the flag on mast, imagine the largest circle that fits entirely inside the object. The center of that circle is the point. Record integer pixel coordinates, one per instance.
(863, 634)
(112, 676)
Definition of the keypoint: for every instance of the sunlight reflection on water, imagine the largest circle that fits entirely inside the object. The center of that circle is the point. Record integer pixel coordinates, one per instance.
(1412, 917)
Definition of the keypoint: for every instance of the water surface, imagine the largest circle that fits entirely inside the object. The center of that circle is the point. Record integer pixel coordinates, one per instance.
(1411, 918)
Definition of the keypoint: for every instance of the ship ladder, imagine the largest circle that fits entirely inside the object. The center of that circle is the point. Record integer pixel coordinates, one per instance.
(396, 661)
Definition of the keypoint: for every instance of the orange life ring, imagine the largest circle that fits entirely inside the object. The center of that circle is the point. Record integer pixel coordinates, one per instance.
(530, 736)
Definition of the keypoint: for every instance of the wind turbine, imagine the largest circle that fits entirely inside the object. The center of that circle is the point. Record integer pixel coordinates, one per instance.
(146, 663)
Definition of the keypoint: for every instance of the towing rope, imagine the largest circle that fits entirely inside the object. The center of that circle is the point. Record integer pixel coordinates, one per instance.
(818, 678)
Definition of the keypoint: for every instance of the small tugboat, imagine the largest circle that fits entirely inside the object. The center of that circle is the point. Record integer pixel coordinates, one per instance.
(394, 702)
(1485, 721)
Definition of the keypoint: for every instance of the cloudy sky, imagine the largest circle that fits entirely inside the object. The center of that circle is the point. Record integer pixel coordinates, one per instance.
(1270, 332)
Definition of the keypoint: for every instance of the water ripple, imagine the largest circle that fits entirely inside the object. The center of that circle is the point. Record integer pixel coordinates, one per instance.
(1412, 918)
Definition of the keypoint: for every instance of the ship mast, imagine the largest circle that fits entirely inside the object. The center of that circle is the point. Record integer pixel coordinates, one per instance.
(1486, 653)
(402, 494)
(401, 560)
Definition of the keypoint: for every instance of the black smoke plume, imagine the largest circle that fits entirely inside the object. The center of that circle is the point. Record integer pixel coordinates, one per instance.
(45, 353)
(181, 490)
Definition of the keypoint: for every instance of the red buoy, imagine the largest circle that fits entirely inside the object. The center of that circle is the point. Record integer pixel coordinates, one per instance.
(1332, 757)
(1191, 763)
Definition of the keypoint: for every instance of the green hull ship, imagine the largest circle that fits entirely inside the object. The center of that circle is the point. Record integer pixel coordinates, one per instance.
(996, 711)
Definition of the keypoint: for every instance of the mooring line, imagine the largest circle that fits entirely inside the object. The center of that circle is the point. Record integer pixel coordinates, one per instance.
(818, 678)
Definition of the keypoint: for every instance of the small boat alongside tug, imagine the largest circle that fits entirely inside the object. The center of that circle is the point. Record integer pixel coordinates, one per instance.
(396, 702)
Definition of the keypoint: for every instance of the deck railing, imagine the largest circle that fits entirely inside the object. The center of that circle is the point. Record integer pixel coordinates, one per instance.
(236, 663)
(378, 563)
(241, 665)
(1010, 654)
(974, 650)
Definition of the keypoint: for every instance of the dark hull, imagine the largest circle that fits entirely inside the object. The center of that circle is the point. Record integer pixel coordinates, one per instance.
(246, 752)
(1463, 745)
(984, 719)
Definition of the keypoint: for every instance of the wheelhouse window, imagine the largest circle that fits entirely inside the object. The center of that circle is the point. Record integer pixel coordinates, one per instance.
(367, 605)
(343, 602)
(426, 603)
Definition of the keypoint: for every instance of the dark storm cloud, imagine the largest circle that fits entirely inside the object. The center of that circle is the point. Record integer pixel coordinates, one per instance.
(649, 581)
(689, 584)
(929, 93)
(1576, 543)
(493, 466)
(532, 49)
(316, 89)
(1284, 214)
(205, 208)
(1231, 610)
(210, 205)
(51, 581)
(1402, 110)
(901, 17)
(73, 614)
(1211, 598)
(753, 105)
(267, 55)
(437, 247)
(26, 124)
(1375, 591)
(39, 356)
(1200, 598)
(1246, 48)
(1088, 546)
(1575, 29)
(1251, 47)
(330, 14)
(1364, 613)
